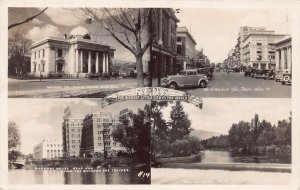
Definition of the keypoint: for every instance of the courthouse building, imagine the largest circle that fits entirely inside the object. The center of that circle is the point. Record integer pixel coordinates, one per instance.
(48, 149)
(284, 55)
(73, 56)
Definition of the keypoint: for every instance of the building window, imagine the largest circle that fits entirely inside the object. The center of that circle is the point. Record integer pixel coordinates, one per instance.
(39, 53)
(43, 52)
(99, 138)
(35, 55)
(59, 52)
(259, 44)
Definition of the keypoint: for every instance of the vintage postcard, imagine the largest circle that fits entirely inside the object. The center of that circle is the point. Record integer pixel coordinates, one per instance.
(201, 95)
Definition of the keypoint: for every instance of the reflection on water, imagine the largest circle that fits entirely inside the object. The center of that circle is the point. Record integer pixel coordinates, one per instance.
(233, 157)
(63, 177)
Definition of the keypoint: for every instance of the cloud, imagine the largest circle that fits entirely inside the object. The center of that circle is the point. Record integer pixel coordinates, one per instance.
(37, 33)
(37, 21)
(62, 16)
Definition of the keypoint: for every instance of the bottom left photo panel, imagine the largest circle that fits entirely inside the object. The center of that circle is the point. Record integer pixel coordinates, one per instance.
(78, 141)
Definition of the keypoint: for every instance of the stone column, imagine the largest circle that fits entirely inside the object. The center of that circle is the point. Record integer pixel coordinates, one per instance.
(76, 60)
(289, 58)
(282, 58)
(103, 62)
(81, 61)
(106, 62)
(89, 62)
(277, 67)
(97, 63)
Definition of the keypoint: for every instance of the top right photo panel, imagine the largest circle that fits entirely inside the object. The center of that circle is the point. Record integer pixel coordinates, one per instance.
(243, 53)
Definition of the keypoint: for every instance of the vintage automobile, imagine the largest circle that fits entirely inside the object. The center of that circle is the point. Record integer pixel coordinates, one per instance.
(278, 76)
(93, 76)
(287, 78)
(185, 78)
(205, 71)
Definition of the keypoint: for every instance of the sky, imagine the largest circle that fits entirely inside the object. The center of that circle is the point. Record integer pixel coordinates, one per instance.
(40, 118)
(215, 30)
(218, 114)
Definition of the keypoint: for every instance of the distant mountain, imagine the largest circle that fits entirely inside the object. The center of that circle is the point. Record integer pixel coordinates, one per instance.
(202, 135)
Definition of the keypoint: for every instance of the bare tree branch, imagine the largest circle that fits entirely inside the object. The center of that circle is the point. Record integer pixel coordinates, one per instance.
(27, 20)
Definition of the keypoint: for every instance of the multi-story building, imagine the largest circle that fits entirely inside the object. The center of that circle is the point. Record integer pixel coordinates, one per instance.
(258, 49)
(244, 32)
(163, 51)
(72, 129)
(97, 134)
(186, 49)
(48, 149)
(283, 52)
(74, 55)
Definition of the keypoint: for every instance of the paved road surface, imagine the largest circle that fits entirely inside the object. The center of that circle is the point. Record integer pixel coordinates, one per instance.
(237, 85)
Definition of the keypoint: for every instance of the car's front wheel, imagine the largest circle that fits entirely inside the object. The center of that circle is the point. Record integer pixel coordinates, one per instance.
(173, 85)
(202, 84)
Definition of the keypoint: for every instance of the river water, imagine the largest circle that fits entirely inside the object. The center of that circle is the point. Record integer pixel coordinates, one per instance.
(23, 176)
(173, 175)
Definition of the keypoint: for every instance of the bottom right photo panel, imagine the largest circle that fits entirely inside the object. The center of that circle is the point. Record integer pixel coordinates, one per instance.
(229, 141)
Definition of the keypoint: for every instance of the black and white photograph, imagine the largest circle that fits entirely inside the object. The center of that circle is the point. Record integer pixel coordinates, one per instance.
(148, 94)
(94, 52)
(77, 142)
(229, 141)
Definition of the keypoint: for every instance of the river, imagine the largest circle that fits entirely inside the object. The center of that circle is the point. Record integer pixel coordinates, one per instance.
(223, 167)
(47, 176)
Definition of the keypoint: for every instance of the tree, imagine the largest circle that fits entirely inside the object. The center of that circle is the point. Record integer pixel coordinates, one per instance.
(134, 134)
(179, 123)
(159, 128)
(18, 48)
(27, 19)
(14, 141)
(129, 27)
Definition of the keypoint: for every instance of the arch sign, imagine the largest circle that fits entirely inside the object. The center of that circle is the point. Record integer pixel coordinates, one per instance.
(152, 93)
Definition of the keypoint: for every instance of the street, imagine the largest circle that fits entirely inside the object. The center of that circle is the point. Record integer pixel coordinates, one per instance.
(222, 85)
(237, 85)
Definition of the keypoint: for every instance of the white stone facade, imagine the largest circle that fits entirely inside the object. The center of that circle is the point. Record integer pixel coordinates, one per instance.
(48, 149)
(258, 50)
(71, 57)
(284, 55)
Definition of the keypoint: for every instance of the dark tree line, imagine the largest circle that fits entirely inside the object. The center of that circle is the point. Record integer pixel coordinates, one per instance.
(252, 135)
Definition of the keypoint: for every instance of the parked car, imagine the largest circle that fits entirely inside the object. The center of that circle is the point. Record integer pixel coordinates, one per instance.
(287, 78)
(278, 76)
(269, 74)
(264, 73)
(93, 76)
(205, 71)
(105, 76)
(250, 72)
(185, 78)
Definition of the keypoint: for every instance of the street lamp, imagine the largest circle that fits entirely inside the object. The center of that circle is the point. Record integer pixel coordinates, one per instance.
(160, 43)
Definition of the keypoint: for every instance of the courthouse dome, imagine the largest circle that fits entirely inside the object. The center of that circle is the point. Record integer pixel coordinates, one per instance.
(79, 31)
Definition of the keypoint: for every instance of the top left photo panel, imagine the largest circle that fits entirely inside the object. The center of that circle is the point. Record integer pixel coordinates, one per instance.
(78, 52)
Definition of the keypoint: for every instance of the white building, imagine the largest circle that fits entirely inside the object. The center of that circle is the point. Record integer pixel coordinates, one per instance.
(72, 56)
(284, 54)
(258, 49)
(48, 149)
(186, 48)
